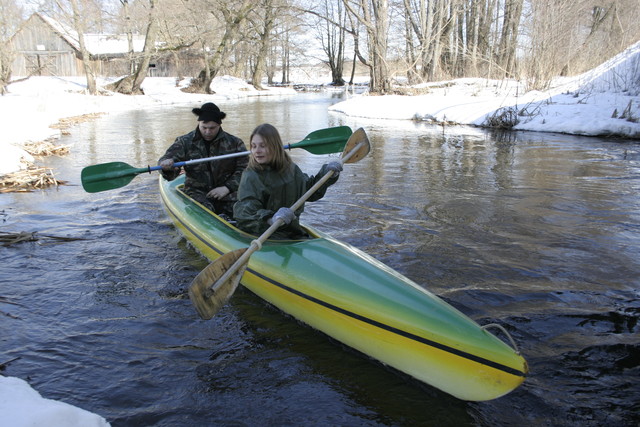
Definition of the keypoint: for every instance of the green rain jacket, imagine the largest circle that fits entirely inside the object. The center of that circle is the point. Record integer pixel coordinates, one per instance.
(204, 177)
(263, 192)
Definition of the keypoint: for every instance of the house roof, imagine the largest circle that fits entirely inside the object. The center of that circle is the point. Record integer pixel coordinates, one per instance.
(96, 44)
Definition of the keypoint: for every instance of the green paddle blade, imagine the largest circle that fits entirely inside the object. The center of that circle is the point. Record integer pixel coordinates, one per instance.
(325, 141)
(108, 176)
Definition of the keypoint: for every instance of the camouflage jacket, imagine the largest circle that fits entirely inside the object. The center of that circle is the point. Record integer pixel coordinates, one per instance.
(263, 192)
(203, 177)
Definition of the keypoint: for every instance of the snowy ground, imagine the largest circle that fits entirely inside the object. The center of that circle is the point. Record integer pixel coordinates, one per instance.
(22, 406)
(33, 105)
(604, 101)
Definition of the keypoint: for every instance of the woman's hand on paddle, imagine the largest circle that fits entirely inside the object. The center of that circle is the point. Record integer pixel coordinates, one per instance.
(336, 167)
(285, 214)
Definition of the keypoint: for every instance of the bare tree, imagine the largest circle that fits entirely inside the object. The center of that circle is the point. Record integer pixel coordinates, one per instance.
(233, 17)
(10, 19)
(264, 27)
(149, 49)
(509, 37)
(601, 28)
(285, 57)
(332, 25)
(588, 33)
(132, 84)
(426, 40)
(374, 16)
(79, 25)
(419, 17)
(333, 40)
(291, 47)
(129, 32)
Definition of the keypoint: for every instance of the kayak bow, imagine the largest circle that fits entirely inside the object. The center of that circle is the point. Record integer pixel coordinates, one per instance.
(354, 298)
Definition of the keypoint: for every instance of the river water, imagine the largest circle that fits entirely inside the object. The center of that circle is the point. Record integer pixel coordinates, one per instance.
(537, 232)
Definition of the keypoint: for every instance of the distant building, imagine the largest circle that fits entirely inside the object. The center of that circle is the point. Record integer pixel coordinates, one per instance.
(46, 47)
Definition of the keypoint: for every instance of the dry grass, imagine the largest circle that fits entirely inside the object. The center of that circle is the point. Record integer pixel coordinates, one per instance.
(35, 177)
(45, 148)
(28, 180)
(66, 123)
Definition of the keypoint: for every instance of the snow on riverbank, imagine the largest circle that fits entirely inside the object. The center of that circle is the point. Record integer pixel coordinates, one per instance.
(604, 101)
(22, 406)
(32, 106)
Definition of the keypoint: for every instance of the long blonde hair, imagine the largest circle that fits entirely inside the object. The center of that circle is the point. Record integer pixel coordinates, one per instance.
(280, 159)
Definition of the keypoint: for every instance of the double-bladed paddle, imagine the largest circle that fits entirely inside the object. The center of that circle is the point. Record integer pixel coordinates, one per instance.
(214, 285)
(108, 176)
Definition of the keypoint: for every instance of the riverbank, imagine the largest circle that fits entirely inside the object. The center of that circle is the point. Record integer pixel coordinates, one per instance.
(33, 109)
(601, 102)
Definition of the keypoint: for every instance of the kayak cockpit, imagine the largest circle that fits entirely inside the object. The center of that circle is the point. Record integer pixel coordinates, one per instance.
(231, 223)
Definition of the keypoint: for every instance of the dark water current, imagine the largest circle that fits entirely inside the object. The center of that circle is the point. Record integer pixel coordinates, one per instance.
(538, 232)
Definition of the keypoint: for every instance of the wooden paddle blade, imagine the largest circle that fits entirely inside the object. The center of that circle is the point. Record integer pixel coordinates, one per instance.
(207, 301)
(359, 136)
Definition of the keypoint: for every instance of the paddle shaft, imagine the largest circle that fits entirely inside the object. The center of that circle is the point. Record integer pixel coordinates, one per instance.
(112, 175)
(136, 171)
(257, 244)
(232, 155)
(203, 160)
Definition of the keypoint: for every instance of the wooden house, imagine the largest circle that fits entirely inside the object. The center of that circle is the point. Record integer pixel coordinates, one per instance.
(45, 47)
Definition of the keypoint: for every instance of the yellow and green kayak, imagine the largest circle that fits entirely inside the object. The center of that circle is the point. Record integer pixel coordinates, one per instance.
(356, 299)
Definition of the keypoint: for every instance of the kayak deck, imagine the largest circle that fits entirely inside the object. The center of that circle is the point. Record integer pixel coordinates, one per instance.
(361, 302)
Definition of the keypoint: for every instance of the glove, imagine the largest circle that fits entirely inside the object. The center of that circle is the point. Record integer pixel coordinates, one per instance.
(167, 165)
(168, 171)
(336, 167)
(285, 214)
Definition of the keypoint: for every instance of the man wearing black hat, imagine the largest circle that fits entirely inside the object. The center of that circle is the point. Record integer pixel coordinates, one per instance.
(214, 184)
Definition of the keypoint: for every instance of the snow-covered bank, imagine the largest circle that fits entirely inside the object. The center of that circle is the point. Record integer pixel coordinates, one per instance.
(33, 105)
(602, 102)
(22, 406)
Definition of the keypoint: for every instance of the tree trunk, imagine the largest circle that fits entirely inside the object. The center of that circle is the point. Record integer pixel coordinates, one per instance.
(436, 49)
(375, 18)
(265, 38)
(334, 47)
(92, 87)
(285, 59)
(473, 32)
(509, 36)
(149, 49)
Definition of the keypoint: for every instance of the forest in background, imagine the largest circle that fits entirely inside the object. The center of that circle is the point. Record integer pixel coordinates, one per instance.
(410, 41)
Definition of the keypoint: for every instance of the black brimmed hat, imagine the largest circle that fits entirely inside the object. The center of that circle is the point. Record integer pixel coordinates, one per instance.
(209, 112)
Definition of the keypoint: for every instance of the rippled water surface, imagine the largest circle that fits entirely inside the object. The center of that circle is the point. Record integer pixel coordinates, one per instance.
(537, 232)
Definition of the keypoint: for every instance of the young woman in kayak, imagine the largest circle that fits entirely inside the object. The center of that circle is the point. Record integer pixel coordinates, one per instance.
(272, 183)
